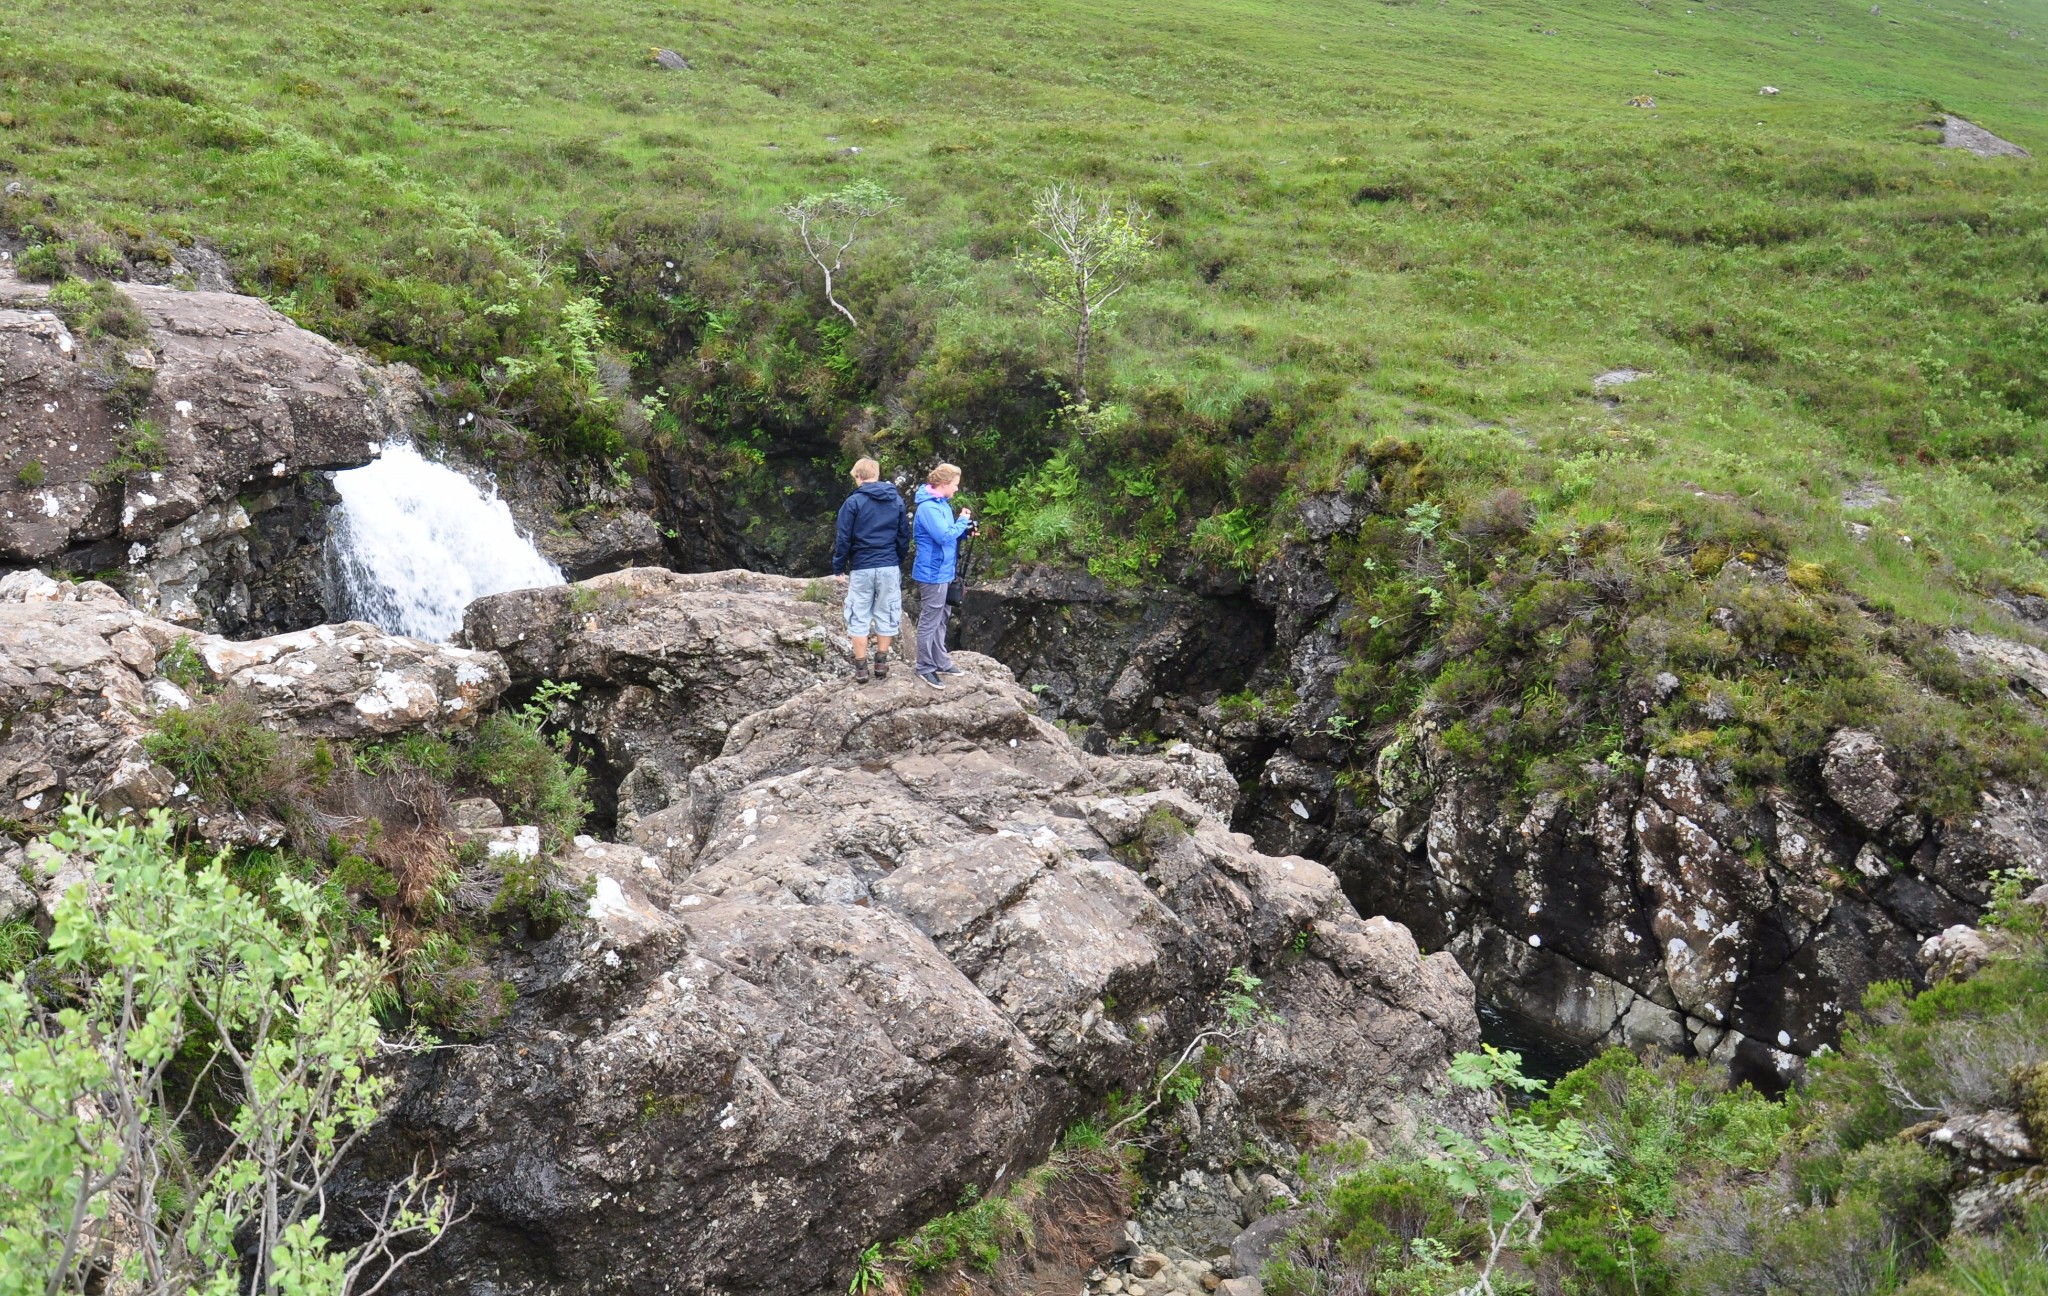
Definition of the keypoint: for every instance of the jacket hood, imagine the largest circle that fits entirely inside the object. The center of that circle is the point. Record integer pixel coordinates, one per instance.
(925, 493)
(885, 492)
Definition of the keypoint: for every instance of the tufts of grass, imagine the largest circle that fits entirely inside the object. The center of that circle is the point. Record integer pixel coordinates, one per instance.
(20, 943)
(362, 825)
(222, 750)
(528, 776)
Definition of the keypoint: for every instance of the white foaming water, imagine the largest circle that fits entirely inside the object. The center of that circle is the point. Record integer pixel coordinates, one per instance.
(413, 542)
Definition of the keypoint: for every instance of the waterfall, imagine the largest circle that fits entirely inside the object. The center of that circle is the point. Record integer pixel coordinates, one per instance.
(414, 541)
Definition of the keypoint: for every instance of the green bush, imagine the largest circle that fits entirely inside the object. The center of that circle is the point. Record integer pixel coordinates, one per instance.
(156, 966)
(528, 776)
(222, 750)
(181, 664)
(1378, 1213)
(45, 263)
(447, 986)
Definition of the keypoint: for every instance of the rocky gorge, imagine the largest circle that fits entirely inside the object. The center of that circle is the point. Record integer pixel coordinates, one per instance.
(1677, 910)
(191, 464)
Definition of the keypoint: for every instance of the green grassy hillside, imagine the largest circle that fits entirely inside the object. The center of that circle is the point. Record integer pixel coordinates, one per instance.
(1432, 222)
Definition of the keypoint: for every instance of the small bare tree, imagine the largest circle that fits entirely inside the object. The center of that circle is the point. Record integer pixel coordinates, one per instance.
(829, 223)
(1092, 249)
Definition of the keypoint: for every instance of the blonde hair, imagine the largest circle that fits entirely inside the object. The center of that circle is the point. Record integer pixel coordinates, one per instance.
(866, 470)
(943, 475)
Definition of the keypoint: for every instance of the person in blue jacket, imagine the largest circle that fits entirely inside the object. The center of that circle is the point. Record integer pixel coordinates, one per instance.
(938, 535)
(868, 555)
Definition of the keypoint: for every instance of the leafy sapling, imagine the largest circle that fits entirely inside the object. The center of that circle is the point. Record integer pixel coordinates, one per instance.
(188, 1000)
(1243, 1011)
(1091, 251)
(1518, 1165)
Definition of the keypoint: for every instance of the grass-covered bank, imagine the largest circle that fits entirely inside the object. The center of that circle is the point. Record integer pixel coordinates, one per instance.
(1370, 220)
(1430, 223)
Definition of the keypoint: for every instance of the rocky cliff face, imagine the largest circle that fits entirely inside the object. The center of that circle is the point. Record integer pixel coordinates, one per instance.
(1678, 910)
(188, 459)
(1113, 659)
(862, 949)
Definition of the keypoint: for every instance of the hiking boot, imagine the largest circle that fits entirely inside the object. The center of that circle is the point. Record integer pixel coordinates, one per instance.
(881, 666)
(932, 678)
(951, 670)
(860, 670)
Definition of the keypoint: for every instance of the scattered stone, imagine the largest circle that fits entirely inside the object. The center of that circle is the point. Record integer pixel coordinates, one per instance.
(1620, 377)
(1957, 953)
(1957, 133)
(2020, 663)
(78, 674)
(1993, 1140)
(1859, 779)
(1327, 514)
(474, 815)
(1866, 495)
(669, 59)
(17, 901)
(1768, 90)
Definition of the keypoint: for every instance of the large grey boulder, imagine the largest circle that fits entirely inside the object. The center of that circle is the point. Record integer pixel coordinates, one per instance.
(666, 663)
(82, 683)
(886, 944)
(240, 402)
(1860, 779)
(356, 681)
(75, 665)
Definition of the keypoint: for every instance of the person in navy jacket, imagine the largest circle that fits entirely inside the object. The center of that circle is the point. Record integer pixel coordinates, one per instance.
(868, 554)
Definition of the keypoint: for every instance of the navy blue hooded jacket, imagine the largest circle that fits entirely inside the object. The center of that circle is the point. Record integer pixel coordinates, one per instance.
(874, 531)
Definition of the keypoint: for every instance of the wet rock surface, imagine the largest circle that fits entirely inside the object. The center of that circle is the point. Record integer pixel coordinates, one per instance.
(582, 519)
(879, 944)
(205, 496)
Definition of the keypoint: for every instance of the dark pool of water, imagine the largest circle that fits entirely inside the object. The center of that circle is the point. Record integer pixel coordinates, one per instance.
(1546, 1055)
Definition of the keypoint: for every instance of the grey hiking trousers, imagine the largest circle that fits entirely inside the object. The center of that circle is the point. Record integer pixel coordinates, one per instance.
(931, 628)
